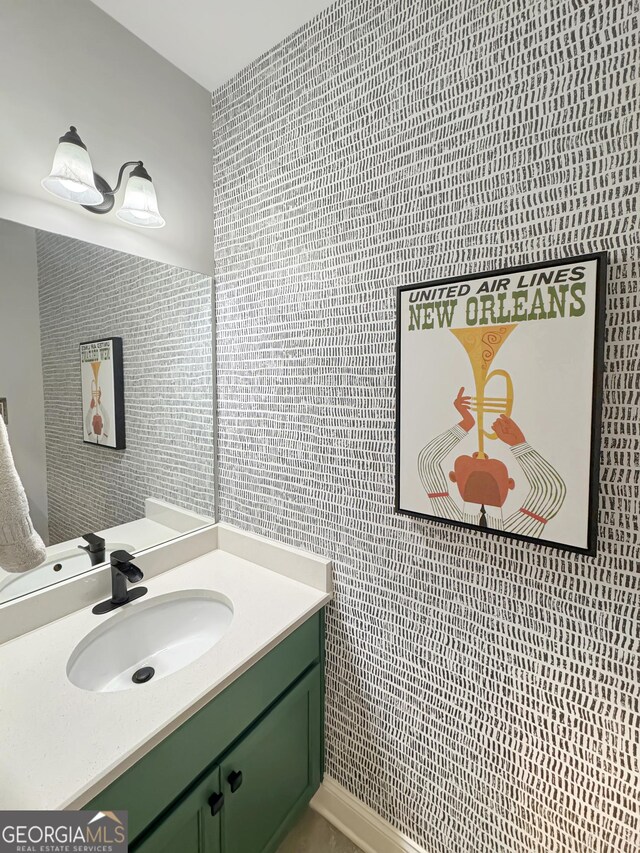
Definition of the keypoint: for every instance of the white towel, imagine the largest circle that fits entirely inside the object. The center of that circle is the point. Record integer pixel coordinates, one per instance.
(21, 548)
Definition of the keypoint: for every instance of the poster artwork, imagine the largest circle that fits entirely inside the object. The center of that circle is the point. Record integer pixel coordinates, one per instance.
(498, 400)
(102, 393)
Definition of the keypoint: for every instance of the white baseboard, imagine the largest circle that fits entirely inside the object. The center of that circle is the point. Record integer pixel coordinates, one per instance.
(358, 822)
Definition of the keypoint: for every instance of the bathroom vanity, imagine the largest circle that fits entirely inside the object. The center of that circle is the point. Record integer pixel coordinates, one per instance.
(221, 749)
(238, 773)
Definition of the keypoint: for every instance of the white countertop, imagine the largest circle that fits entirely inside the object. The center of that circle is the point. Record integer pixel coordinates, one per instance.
(60, 745)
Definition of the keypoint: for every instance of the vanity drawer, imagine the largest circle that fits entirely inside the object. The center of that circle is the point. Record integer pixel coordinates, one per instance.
(165, 773)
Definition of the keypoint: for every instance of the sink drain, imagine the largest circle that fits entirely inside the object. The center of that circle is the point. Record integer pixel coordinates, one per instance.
(143, 674)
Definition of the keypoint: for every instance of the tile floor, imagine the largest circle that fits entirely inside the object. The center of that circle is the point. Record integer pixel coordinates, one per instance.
(313, 834)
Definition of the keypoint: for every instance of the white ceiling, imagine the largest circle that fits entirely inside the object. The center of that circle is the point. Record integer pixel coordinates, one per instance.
(211, 40)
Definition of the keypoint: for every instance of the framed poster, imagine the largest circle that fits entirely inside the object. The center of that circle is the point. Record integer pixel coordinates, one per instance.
(498, 400)
(102, 393)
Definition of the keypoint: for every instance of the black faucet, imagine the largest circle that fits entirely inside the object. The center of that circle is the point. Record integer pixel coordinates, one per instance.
(122, 570)
(95, 548)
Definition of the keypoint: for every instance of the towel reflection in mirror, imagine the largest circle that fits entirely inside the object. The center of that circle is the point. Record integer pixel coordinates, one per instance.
(21, 548)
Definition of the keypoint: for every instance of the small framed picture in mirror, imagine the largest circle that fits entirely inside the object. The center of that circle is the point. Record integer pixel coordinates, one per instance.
(102, 377)
(4, 414)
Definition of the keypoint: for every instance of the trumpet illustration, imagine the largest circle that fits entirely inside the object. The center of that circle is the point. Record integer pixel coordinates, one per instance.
(482, 346)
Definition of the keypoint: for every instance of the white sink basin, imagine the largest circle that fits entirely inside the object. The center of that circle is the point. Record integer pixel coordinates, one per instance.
(165, 633)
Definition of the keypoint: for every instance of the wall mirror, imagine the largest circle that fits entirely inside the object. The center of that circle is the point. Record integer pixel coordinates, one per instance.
(61, 406)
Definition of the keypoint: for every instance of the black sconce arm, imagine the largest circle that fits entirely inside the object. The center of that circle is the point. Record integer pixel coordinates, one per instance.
(120, 174)
(108, 193)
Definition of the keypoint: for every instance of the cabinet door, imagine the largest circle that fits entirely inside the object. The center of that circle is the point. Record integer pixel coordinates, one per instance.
(192, 825)
(273, 771)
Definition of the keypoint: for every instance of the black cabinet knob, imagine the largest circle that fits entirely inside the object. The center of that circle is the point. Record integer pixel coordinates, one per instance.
(216, 801)
(235, 780)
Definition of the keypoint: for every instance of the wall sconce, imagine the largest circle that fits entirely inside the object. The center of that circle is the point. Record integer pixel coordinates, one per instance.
(72, 178)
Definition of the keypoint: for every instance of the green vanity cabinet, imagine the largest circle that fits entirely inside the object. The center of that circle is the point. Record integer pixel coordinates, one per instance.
(236, 775)
(190, 826)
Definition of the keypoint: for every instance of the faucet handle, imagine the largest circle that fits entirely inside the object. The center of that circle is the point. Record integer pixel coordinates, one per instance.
(120, 557)
(95, 543)
(121, 561)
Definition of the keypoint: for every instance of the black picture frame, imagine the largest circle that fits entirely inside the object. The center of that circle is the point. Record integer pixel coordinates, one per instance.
(597, 372)
(118, 441)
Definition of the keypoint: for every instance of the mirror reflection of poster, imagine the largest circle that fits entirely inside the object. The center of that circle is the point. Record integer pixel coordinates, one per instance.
(103, 393)
(499, 392)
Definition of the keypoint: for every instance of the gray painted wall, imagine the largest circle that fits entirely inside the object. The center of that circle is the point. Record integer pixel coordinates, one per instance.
(67, 62)
(163, 315)
(482, 695)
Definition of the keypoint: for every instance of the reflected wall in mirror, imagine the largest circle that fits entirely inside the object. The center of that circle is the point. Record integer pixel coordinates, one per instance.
(55, 293)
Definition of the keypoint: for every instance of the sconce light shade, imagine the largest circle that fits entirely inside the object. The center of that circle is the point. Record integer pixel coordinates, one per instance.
(140, 205)
(71, 175)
